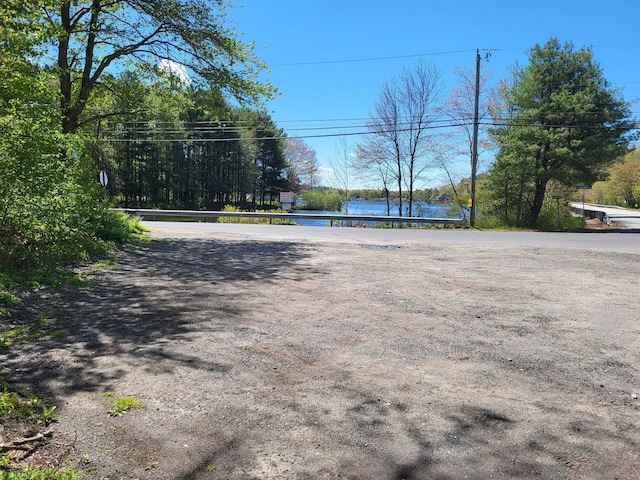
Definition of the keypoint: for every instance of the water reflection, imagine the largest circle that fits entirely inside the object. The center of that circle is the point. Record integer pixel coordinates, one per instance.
(355, 207)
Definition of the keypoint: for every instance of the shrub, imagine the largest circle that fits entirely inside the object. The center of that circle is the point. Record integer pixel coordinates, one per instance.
(275, 221)
(118, 227)
(321, 201)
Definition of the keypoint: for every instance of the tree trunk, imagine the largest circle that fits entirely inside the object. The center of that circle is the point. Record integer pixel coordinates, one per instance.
(411, 173)
(386, 197)
(538, 200)
(65, 72)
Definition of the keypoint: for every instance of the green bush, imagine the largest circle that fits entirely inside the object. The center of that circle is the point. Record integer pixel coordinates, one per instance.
(489, 223)
(52, 208)
(275, 221)
(118, 227)
(67, 225)
(331, 201)
(51, 204)
(548, 218)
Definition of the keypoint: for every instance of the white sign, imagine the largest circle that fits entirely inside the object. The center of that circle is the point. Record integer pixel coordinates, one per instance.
(287, 197)
(103, 178)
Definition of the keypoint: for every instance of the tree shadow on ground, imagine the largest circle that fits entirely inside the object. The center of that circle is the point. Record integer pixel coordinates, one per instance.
(154, 296)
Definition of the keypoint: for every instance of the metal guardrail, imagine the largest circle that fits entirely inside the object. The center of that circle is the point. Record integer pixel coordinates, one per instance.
(613, 213)
(212, 214)
(589, 213)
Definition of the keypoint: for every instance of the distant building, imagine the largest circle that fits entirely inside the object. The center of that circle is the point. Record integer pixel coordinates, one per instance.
(443, 198)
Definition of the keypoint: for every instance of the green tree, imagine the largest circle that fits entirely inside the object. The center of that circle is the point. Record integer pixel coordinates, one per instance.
(191, 38)
(625, 180)
(559, 120)
(47, 214)
(264, 143)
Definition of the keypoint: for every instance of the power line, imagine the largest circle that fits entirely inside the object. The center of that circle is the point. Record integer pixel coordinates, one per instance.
(221, 130)
(240, 139)
(371, 59)
(204, 128)
(449, 52)
(346, 134)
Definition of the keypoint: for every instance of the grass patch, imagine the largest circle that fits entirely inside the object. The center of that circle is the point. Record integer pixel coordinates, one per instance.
(58, 334)
(23, 333)
(106, 264)
(39, 474)
(274, 221)
(9, 300)
(36, 279)
(79, 280)
(122, 405)
(16, 406)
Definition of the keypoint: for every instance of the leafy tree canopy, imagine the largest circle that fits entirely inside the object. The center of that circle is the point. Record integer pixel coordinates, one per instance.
(193, 39)
(47, 216)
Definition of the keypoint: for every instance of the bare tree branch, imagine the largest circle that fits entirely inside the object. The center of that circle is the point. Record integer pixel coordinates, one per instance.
(404, 114)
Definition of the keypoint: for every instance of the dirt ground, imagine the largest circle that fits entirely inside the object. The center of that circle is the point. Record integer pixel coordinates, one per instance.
(257, 359)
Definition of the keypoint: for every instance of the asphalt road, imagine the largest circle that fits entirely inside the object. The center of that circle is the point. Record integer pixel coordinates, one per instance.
(597, 242)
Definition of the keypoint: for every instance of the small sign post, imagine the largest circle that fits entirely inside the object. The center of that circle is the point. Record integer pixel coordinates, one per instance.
(104, 180)
(287, 199)
(583, 188)
(557, 199)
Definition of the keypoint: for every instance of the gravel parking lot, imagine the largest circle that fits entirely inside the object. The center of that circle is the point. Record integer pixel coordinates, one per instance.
(263, 356)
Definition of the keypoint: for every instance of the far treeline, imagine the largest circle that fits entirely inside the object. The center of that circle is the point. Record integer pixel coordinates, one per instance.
(166, 99)
(333, 199)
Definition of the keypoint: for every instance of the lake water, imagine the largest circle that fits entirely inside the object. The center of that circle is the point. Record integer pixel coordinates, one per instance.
(356, 207)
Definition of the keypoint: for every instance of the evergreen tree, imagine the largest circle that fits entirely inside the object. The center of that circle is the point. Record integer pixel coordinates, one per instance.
(560, 121)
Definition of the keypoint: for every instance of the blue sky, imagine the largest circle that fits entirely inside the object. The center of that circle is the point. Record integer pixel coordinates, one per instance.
(309, 44)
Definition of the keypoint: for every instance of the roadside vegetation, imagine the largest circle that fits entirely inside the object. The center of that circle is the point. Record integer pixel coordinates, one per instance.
(622, 185)
(60, 101)
(30, 413)
(322, 200)
(275, 221)
(558, 124)
(331, 199)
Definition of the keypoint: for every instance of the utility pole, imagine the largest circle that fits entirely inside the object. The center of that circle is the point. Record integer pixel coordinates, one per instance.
(474, 145)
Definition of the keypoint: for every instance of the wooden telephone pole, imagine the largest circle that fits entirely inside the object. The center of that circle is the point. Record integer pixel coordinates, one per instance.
(474, 145)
